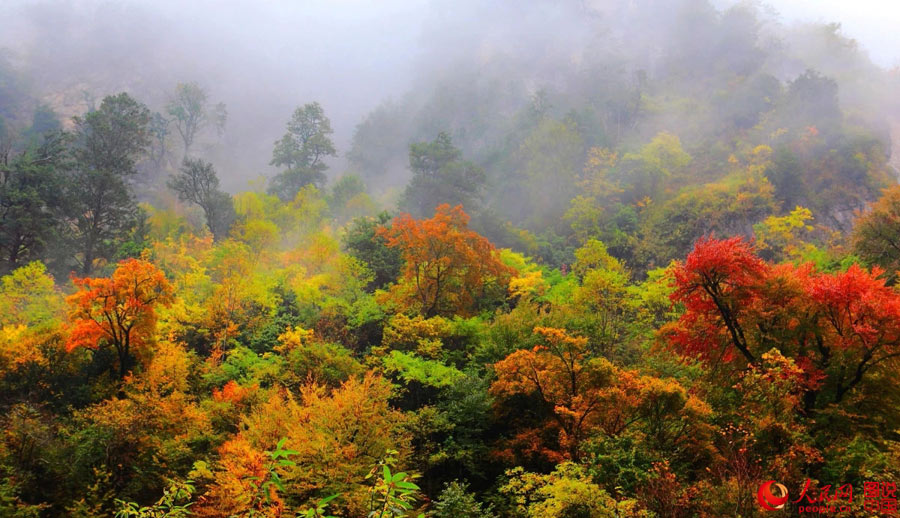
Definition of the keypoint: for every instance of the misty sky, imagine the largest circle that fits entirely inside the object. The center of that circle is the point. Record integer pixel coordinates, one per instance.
(875, 24)
(264, 58)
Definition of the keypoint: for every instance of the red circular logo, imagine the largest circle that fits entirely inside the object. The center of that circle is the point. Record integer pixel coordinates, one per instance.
(768, 499)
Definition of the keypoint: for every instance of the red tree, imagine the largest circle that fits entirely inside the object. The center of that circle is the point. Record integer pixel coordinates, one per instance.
(836, 326)
(718, 284)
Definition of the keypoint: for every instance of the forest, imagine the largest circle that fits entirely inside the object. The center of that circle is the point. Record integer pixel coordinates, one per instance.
(631, 259)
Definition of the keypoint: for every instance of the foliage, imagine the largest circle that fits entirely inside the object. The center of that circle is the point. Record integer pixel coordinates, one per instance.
(100, 204)
(301, 151)
(31, 205)
(197, 183)
(449, 268)
(839, 326)
(191, 112)
(656, 305)
(456, 501)
(565, 492)
(392, 494)
(167, 506)
(875, 235)
(780, 236)
(363, 242)
(440, 176)
(119, 311)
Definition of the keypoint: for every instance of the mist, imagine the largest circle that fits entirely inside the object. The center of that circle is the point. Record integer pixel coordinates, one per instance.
(263, 60)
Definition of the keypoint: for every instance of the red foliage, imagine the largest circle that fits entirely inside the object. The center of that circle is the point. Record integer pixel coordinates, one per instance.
(718, 283)
(836, 326)
(234, 393)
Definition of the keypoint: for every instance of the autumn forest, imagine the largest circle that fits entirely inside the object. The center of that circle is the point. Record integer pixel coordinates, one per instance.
(632, 269)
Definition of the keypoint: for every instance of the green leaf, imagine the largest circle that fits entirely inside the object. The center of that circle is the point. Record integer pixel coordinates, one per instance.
(328, 499)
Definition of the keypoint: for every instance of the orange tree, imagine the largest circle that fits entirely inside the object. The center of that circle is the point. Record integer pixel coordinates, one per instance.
(448, 267)
(578, 391)
(580, 395)
(119, 311)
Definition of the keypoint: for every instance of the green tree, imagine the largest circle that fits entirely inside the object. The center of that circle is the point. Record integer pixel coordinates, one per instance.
(197, 183)
(549, 158)
(362, 242)
(102, 208)
(174, 503)
(159, 131)
(457, 502)
(30, 199)
(440, 176)
(301, 151)
(191, 113)
(348, 198)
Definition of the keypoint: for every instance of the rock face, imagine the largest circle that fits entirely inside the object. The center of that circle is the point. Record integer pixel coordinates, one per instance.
(69, 102)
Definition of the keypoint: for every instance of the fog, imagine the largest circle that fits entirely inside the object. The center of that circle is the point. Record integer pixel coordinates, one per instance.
(263, 59)
(873, 23)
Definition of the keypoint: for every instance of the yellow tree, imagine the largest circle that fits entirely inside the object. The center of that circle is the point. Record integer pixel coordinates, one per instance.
(333, 436)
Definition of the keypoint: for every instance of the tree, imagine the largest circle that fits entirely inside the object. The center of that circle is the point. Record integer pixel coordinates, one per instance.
(119, 311)
(440, 176)
(860, 325)
(363, 242)
(811, 100)
(345, 431)
(197, 183)
(571, 394)
(717, 285)
(548, 159)
(301, 151)
(456, 501)
(28, 297)
(579, 391)
(837, 327)
(192, 113)
(159, 131)
(647, 170)
(30, 200)
(101, 206)
(567, 492)
(348, 199)
(449, 269)
(876, 235)
(781, 236)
